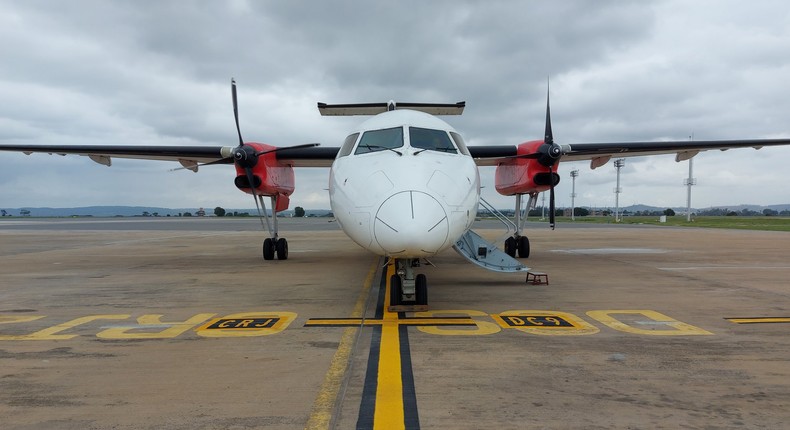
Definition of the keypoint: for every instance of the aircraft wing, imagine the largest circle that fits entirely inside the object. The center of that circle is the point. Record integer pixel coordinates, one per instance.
(188, 156)
(600, 153)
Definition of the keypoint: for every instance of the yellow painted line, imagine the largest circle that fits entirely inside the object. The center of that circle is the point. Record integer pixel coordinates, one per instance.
(324, 404)
(322, 322)
(389, 389)
(759, 320)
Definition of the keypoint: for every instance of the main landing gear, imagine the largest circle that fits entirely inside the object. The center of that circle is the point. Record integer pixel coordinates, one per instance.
(408, 292)
(519, 244)
(274, 245)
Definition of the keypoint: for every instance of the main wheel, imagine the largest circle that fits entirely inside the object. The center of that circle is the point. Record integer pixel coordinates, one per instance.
(421, 285)
(510, 246)
(396, 290)
(282, 249)
(268, 249)
(523, 247)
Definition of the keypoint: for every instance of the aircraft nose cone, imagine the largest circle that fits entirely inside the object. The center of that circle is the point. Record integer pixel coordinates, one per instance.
(411, 223)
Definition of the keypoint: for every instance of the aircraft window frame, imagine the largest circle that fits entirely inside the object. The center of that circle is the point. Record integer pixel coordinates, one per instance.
(433, 134)
(380, 140)
(460, 143)
(348, 145)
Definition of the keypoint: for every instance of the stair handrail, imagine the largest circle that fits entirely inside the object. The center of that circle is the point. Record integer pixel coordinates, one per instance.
(509, 225)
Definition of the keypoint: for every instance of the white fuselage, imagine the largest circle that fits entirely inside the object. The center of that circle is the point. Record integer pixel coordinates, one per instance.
(407, 198)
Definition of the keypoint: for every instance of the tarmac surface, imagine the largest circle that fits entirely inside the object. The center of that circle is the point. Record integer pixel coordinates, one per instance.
(180, 324)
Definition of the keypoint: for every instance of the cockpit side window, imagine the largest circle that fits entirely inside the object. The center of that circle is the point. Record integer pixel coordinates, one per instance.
(459, 141)
(348, 145)
(380, 140)
(434, 140)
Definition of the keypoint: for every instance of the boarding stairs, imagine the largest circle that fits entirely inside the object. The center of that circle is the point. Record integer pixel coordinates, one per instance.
(485, 254)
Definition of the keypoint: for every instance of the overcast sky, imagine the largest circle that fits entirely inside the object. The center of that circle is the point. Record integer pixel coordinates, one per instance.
(158, 72)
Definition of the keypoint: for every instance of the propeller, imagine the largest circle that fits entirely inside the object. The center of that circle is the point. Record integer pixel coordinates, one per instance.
(547, 154)
(244, 156)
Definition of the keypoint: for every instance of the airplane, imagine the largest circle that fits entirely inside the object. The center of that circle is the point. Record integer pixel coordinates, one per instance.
(403, 184)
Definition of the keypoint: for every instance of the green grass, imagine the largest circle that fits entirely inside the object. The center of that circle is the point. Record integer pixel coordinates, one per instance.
(730, 222)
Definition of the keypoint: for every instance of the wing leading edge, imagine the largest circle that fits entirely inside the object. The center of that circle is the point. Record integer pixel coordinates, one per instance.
(188, 156)
(600, 153)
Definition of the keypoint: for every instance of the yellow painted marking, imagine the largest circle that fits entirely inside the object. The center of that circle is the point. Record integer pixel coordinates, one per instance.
(481, 327)
(324, 404)
(238, 328)
(50, 333)
(175, 329)
(579, 327)
(428, 321)
(11, 319)
(389, 389)
(759, 320)
(672, 327)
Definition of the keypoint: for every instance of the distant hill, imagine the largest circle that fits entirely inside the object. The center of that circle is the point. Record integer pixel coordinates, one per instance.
(131, 211)
(735, 208)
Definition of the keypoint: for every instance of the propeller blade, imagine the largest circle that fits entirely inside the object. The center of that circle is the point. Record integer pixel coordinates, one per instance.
(236, 109)
(228, 160)
(551, 200)
(548, 136)
(306, 145)
(533, 156)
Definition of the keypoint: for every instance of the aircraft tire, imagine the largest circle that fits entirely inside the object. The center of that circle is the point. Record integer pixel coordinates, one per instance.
(282, 249)
(421, 289)
(395, 290)
(510, 246)
(523, 247)
(268, 249)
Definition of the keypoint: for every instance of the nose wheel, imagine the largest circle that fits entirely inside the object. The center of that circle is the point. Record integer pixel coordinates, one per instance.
(408, 292)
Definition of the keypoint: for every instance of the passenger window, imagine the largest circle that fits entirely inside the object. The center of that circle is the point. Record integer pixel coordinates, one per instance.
(348, 145)
(434, 140)
(459, 142)
(380, 140)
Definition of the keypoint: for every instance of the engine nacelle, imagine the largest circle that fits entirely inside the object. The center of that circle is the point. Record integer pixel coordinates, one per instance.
(270, 178)
(524, 175)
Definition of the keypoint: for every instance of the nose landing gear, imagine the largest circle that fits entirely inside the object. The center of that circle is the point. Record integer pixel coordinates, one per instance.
(408, 292)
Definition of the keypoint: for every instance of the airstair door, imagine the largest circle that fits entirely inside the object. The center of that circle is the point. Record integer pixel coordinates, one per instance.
(484, 254)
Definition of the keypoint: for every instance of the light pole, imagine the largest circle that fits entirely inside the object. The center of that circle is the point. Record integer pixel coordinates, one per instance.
(689, 182)
(574, 174)
(543, 207)
(618, 164)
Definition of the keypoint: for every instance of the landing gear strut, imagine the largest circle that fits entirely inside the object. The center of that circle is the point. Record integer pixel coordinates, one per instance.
(408, 292)
(518, 243)
(274, 245)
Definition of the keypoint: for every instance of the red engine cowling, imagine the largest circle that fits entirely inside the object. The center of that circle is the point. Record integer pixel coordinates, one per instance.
(269, 176)
(524, 175)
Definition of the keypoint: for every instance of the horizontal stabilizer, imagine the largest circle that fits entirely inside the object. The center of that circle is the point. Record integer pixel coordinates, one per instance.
(377, 108)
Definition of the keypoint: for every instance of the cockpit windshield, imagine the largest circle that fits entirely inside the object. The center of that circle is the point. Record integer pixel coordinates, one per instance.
(380, 140)
(434, 140)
